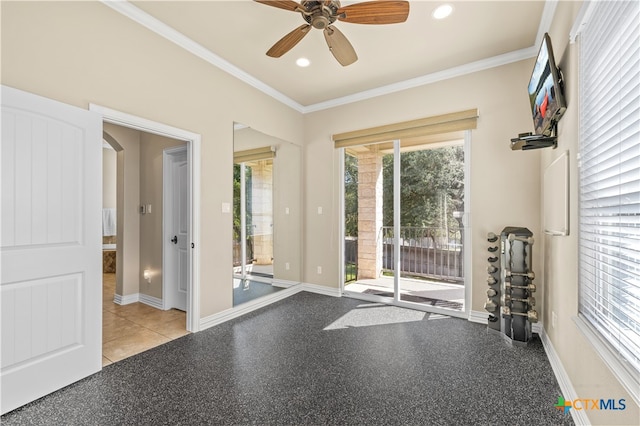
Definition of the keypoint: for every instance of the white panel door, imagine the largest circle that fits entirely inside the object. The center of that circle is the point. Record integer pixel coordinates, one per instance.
(50, 246)
(178, 223)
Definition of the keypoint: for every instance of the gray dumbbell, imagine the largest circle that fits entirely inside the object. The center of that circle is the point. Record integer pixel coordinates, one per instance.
(508, 273)
(514, 237)
(491, 280)
(490, 305)
(491, 237)
(491, 292)
(491, 269)
(530, 287)
(531, 315)
(506, 299)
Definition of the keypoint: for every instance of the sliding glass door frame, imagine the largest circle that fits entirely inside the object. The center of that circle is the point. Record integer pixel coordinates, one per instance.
(464, 313)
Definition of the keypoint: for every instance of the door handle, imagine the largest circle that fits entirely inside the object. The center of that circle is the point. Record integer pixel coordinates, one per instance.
(174, 240)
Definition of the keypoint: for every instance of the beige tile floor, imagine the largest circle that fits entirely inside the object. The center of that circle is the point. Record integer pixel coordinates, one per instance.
(130, 329)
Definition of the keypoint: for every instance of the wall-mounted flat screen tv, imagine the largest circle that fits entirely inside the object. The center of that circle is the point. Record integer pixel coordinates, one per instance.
(546, 91)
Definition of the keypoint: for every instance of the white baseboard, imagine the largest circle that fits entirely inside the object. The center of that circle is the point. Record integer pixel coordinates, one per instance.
(253, 305)
(478, 317)
(245, 308)
(138, 297)
(126, 300)
(151, 301)
(283, 283)
(566, 387)
(321, 289)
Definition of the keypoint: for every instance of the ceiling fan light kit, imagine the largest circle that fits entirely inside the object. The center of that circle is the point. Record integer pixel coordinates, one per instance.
(322, 14)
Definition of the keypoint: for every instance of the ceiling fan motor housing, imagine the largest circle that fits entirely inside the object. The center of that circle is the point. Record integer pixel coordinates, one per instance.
(320, 14)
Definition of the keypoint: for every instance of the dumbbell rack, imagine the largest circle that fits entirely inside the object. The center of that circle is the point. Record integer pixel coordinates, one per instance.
(510, 289)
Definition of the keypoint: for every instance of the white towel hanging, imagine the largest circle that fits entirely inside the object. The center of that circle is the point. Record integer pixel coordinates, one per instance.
(108, 222)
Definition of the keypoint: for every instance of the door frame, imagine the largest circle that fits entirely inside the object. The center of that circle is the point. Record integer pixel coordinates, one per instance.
(193, 141)
(466, 232)
(169, 200)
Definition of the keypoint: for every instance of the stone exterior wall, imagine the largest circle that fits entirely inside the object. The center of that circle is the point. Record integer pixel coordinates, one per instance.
(369, 214)
(262, 213)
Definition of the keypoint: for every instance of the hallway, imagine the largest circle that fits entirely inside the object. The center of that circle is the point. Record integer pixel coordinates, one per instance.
(130, 329)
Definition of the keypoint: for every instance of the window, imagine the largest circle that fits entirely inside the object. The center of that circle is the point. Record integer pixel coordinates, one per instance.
(609, 235)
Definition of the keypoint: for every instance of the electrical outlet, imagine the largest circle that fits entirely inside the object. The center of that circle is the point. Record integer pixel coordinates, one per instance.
(319, 210)
(554, 319)
(287, 266)
(319, 270)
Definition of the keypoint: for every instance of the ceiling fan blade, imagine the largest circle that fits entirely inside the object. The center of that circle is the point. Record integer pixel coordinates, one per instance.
(287, 42)
(281, 4)
(340, 47)
(375, 12)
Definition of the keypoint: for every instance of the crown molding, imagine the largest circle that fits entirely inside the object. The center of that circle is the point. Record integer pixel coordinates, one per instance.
(469, 68)
(132, 12)
(138, 15)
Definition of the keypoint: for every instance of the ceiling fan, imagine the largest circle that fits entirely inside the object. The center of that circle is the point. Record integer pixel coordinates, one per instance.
(322, 14)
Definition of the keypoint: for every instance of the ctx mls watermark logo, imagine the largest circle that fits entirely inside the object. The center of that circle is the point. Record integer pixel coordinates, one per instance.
(589, 404)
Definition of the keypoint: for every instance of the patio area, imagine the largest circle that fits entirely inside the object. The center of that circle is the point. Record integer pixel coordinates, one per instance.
(426, 292)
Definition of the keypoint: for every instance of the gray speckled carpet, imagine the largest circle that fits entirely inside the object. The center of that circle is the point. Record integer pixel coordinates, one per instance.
(317, 360)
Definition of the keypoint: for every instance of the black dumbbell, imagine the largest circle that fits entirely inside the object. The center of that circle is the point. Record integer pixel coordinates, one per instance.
(491, 237)
(492, 259)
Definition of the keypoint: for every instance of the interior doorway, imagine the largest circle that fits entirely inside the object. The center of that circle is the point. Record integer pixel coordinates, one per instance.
(145, 289)
(148, 299)
(404, 223)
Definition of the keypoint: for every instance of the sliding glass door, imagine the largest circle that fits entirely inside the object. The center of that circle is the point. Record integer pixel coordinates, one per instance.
(404, 209)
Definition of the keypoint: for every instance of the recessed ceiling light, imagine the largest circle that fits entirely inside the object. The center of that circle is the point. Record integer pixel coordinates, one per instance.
(303, 62)
(442, 11)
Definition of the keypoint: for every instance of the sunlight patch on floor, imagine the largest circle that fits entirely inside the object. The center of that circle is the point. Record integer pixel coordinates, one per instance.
(372, 314)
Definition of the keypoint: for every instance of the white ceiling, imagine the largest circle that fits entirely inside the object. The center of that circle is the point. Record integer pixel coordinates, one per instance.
(234, 35)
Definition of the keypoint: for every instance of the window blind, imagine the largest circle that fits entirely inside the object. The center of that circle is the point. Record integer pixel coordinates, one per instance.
(414, 129)
(609, 233)
(262, 153)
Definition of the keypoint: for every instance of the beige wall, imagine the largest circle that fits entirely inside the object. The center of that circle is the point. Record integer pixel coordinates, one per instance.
(84, 52)
(504, 183)
(139, 181)
(109, 178)
(151, 158)
(590, 377)
(127, 217)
